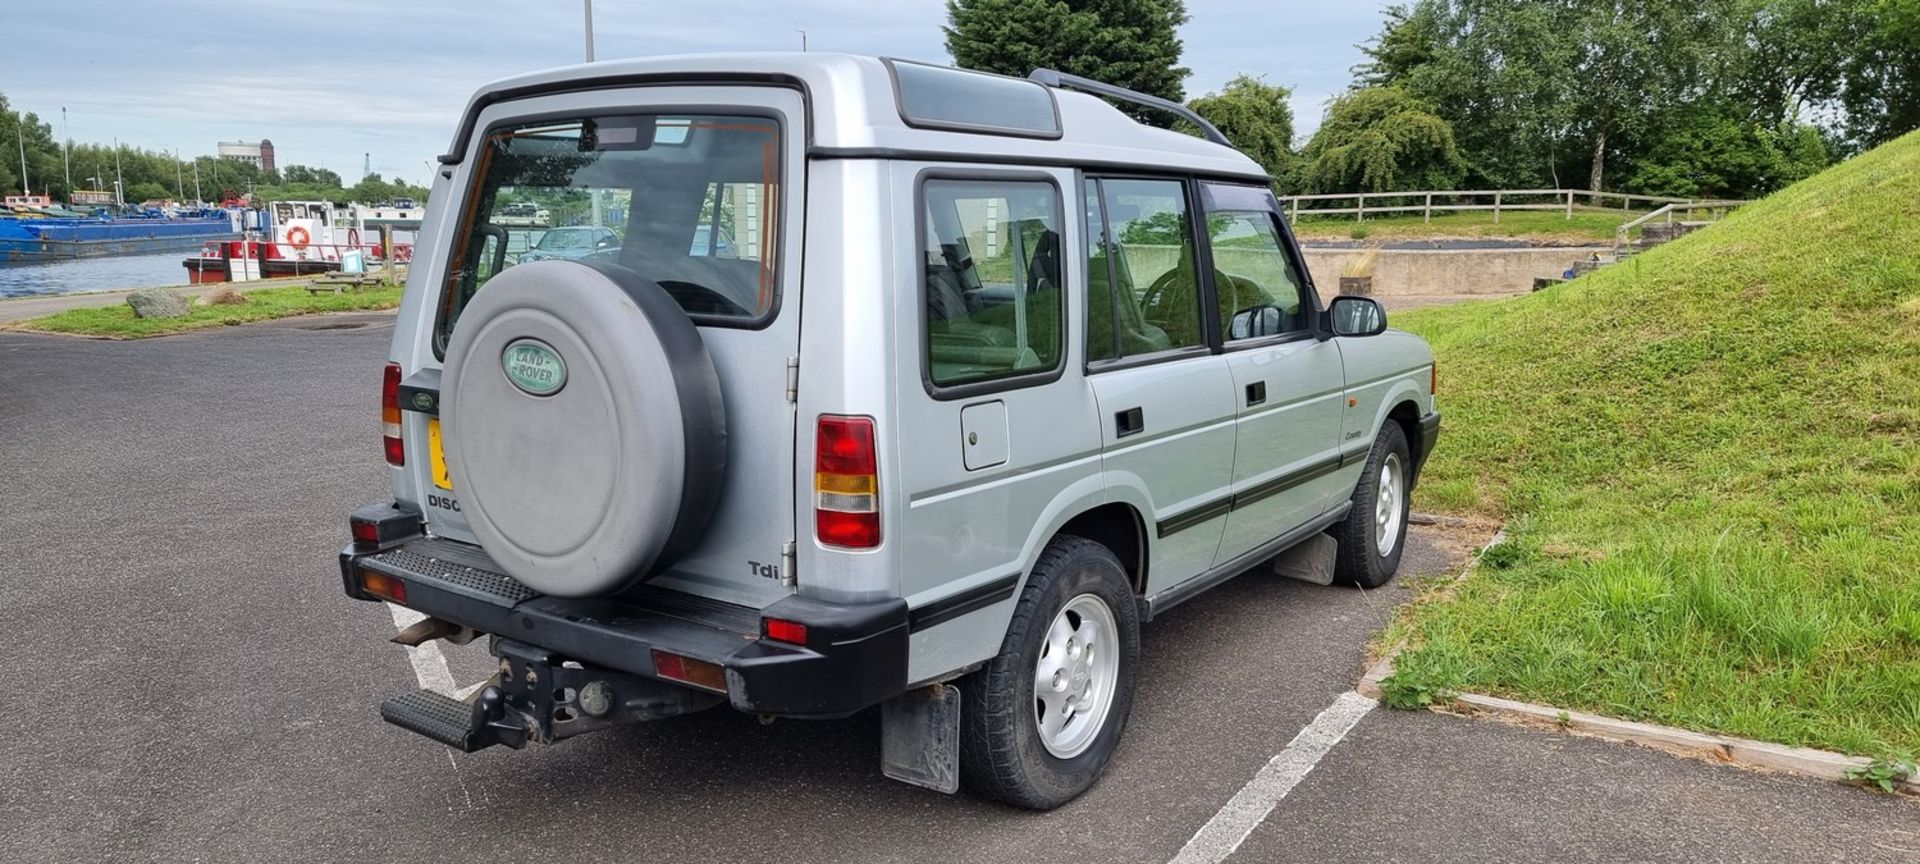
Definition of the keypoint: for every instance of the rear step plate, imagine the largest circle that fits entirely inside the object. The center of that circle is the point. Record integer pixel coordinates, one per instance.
(457, 724)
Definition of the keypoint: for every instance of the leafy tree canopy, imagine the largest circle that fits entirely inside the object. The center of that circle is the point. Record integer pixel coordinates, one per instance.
(1557, 92)
(1382, 139)
(1255, 116)
(1128, 43)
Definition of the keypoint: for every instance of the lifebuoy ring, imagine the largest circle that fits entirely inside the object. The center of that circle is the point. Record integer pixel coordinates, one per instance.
(298, 237)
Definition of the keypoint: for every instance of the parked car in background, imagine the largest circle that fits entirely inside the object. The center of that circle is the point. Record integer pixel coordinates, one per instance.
(571, 244)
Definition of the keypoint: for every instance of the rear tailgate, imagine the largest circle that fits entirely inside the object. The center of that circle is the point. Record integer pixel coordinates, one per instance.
(715, 201)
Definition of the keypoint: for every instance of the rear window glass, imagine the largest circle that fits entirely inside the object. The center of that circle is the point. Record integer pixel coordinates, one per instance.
(936, 97)
(688, 201)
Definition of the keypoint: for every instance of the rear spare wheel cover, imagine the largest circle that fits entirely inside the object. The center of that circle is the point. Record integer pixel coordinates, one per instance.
(582, 425)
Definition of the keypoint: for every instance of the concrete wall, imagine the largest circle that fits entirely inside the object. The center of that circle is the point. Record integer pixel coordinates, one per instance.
(1449, 271)
(1421, 272)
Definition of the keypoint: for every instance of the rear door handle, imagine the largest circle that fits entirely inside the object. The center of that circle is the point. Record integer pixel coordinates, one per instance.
(1256, 393)
(1128, 422)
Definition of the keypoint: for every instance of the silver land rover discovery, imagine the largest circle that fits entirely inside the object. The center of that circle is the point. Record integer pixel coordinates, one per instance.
(987, 375)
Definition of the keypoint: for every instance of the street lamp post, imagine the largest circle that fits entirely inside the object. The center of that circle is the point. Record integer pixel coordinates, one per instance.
(119, 182)
(66, 148)
(20, 135)
(589, 10)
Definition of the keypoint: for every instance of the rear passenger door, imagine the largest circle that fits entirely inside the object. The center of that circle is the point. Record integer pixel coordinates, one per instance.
(1287, 385)
(1166, 404)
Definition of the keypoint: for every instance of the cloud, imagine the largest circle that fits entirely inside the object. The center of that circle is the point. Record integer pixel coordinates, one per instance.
(332, 81)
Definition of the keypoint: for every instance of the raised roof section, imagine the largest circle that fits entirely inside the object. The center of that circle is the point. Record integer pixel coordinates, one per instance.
(855, 108)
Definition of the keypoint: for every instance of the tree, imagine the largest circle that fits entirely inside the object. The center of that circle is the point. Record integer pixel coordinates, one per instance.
(1381, 139)
(315, 176)
(1861, 57)
(146, 191)
(1537, 86)
(1255, 116)
(1633, 60)
(1712, 151)
(1128, 43)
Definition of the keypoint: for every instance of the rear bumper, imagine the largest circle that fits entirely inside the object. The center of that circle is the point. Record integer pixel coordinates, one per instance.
(855, 654)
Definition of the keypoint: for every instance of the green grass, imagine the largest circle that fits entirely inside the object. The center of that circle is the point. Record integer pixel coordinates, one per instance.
(263, 304)
(1586, 226)
(1710, 460)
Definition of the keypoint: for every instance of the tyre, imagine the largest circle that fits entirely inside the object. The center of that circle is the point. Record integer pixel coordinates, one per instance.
(1375, 530)
(1040, 721)
(584, 426)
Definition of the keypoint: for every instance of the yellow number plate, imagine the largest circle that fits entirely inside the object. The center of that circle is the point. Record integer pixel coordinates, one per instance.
(439, 459)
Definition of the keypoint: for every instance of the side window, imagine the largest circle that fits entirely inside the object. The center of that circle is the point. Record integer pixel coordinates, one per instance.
(731, 222)
(990, 267)
(1143, 286)
(1258, 288)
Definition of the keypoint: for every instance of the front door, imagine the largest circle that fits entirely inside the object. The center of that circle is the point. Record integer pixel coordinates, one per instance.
(1166, 405)
(1287, 385)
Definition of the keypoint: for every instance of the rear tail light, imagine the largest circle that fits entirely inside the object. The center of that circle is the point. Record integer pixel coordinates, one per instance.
(376, 525)
(846, 483)
(365, 532)
(385, 587)
(686, 670)
(390, 416)
(782, 630)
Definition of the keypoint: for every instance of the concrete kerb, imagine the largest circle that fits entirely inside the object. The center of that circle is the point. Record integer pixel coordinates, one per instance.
(1743, 752)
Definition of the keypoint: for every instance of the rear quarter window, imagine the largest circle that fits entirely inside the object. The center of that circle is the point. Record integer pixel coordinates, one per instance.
(991, 278)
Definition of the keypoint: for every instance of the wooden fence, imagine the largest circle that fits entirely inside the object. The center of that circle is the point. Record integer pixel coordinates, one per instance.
(1497, 201)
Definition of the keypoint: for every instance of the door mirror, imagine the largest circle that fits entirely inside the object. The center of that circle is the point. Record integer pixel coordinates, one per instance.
(1353, 315)
(1256, 322)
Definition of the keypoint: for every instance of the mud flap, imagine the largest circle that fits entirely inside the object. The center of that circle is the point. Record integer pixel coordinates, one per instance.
(1311, 560)
(920, 738)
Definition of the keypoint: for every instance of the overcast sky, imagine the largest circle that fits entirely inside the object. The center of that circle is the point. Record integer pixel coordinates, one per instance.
(328, 81)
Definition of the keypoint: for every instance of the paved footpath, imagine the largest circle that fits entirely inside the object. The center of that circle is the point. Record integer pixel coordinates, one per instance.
(189, 684)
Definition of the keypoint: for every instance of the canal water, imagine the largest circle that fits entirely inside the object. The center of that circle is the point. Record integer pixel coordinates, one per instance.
(94, 274)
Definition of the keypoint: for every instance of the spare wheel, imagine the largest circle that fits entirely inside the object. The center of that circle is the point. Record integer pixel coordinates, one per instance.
(583, 426)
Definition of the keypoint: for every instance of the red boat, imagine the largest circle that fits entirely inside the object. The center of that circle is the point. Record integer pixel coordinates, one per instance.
(304, 242)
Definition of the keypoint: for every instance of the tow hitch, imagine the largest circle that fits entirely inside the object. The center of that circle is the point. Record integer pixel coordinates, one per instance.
(538, 696)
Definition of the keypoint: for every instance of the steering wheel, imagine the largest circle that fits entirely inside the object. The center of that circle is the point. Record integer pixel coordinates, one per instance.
(690, 296)
(1151, 299)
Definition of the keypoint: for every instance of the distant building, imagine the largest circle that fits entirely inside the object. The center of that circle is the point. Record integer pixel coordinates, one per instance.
(29, 200)
(260, 155)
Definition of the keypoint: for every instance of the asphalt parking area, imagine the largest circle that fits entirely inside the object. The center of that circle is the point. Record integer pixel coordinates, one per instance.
(192, 685)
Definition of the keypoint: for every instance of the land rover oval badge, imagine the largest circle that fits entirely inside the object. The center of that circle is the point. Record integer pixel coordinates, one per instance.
(534, 367)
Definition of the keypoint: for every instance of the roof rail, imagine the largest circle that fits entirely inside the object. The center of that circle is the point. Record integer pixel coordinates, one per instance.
(1063, 81)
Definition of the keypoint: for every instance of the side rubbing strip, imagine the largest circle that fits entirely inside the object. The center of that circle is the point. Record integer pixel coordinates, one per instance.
(1182, 521)
(972, 600)
(1284, 482)
(1255, 494)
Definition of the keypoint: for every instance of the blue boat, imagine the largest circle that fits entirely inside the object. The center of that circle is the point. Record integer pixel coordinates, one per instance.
(40, 240)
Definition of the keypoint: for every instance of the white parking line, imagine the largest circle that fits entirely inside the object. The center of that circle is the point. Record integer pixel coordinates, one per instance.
(1229, 828)
(429, 665)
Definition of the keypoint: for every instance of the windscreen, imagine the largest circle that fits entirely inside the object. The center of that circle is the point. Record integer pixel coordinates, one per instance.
(688, 201)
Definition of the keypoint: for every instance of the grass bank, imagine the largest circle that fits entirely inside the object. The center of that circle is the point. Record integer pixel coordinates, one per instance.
(1710, 459)
(118, 321)
(1586, 226)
